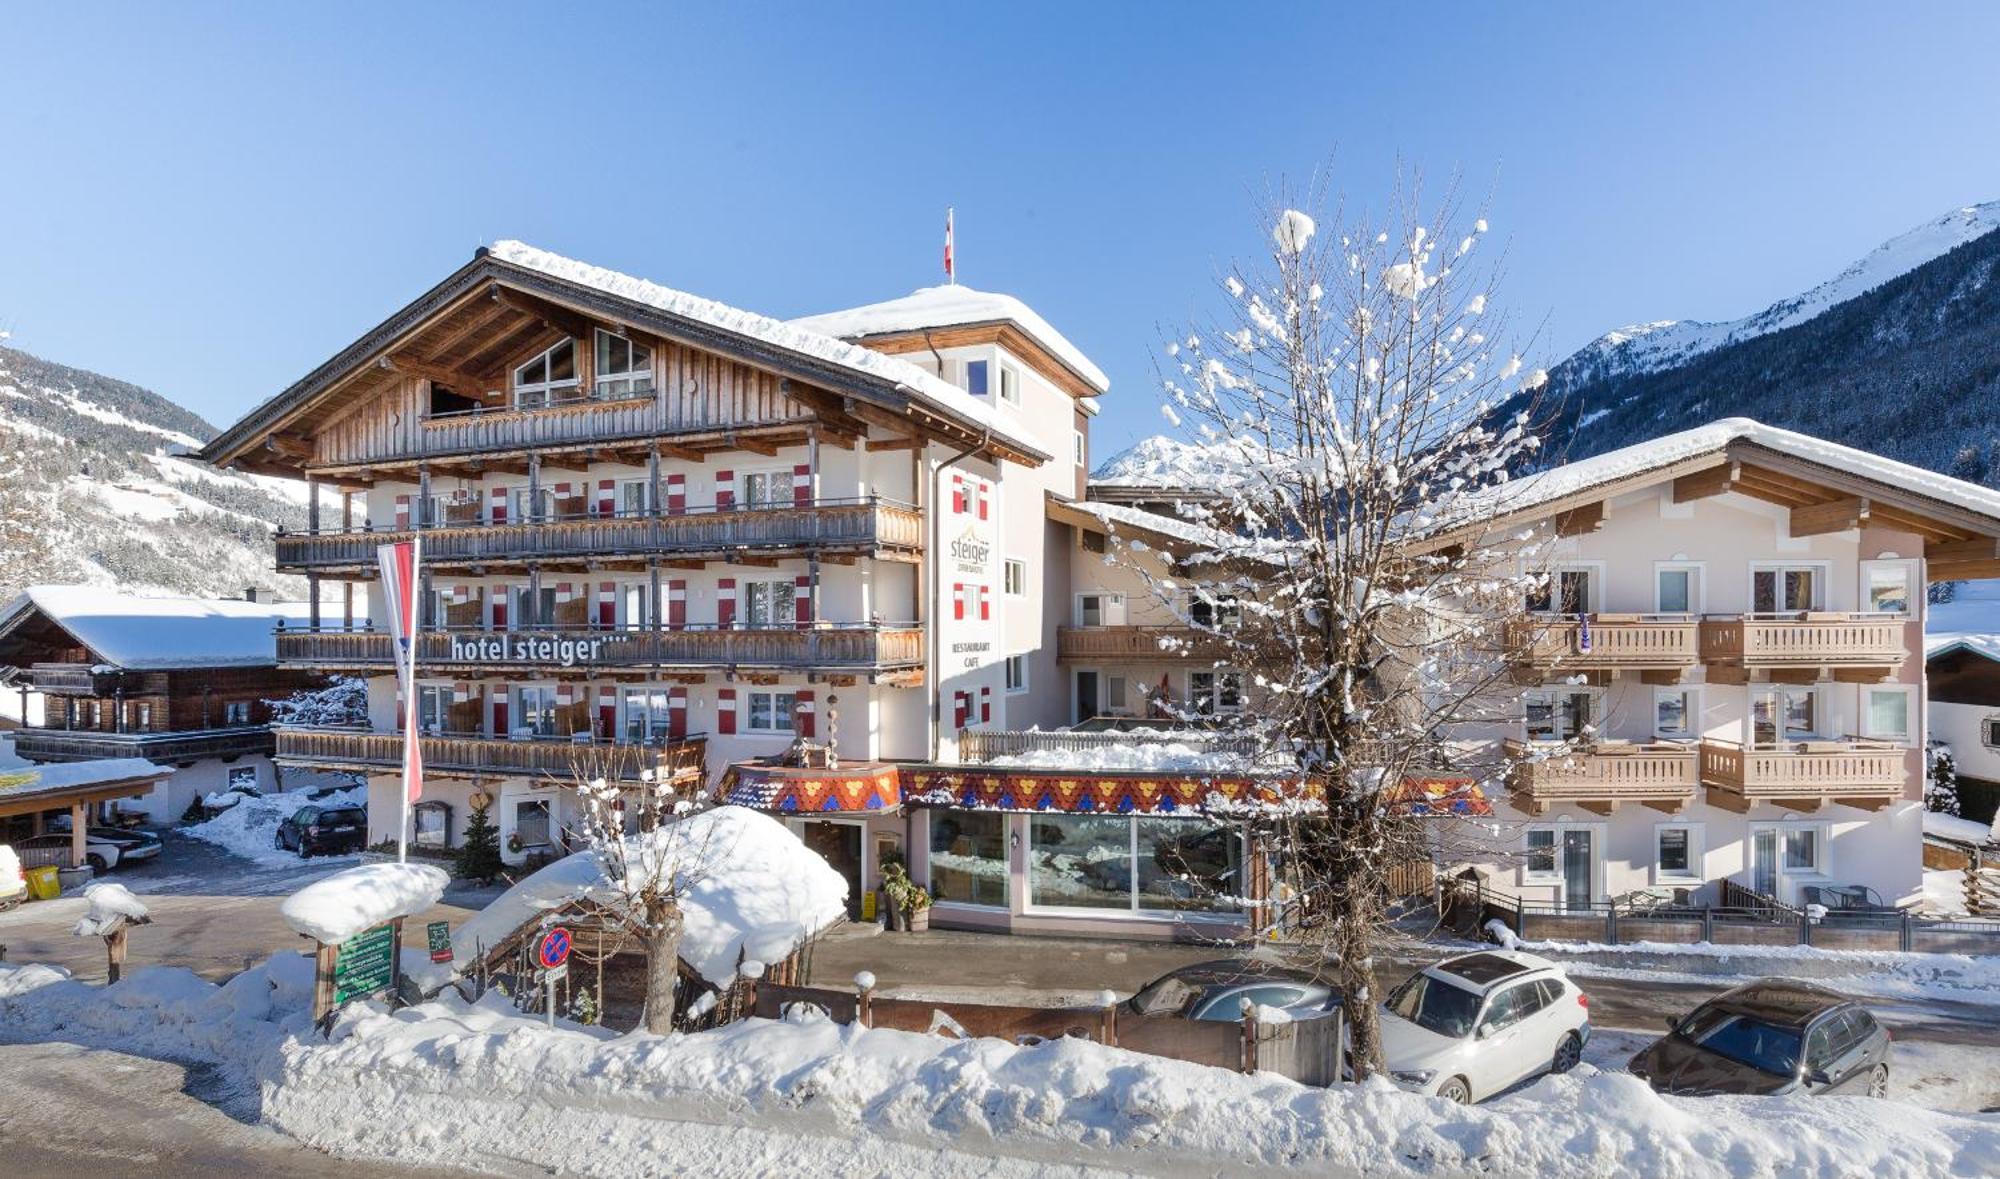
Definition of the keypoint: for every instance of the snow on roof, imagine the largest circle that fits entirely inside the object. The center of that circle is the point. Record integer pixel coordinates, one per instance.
(1556, 483)
(339, 906)
(1129, 518)
(72, 774)
(151, 634)
(806, 341)
(955, 306)
(1971, 620)
(757, 889)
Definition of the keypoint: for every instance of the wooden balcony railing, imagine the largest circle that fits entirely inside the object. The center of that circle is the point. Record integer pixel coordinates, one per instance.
(1137, 644)
(166, 748)
(456, 754)
(1857, 773)
(1661, 776)
(1810, 640)
(881, 527)
(1605, 641)
(862, 648)
(80, 679)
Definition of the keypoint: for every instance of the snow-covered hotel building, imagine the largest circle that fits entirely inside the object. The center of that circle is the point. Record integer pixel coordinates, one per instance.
(696, 540)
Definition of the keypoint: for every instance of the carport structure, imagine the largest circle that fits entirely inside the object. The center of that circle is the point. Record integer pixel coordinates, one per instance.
(75, 786)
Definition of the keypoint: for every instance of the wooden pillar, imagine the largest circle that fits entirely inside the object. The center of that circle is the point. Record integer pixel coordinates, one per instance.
(534, 610)
(78, 825)
(324, 959)
(656, 610)
(652, 491)
(312, 600)
(312, 503)
(534, 512)
(423, 518)
(347, 604)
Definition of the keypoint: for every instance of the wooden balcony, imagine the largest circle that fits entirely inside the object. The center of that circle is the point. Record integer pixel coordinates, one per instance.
(1805, 641)
(1137, 644)
(176, 748)
(862, 649)
(469, 754)
(1803, 776)
(1607, 642)
(1663, 777)
(875, 527)
(80, 679)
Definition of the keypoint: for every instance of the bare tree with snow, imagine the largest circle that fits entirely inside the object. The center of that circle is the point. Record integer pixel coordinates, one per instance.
(1345, 395)
(649, 858)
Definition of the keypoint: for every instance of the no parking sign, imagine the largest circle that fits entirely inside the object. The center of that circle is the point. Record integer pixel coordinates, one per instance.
(553, 950)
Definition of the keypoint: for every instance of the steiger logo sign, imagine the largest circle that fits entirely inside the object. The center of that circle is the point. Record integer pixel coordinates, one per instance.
(972, 552)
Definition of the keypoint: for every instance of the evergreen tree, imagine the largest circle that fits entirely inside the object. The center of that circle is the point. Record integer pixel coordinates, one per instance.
(479, 857)
(1941, 790)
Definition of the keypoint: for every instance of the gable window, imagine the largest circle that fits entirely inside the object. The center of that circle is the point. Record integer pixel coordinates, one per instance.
(1560, 713)
(1017, 674)
(624, 369)
(1566, 591)
(1010, 385)
(767, 489)
(1676, 713)
(771, 712)
(1885, 713)
(1677, 589)
(547, 379)
(975, 377)
(1781, 713)
(1888, 587)
(1787, 589)
(771, 603)
(1014, 577)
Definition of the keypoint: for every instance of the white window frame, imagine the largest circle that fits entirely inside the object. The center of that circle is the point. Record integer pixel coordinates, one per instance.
(1822, 572)
(1697, 572)
(627, 712)
(1596, 696)
(1017, 684)
(1079, 446)
(779, 592)
(521, 506)
(1208, 701)
(1913, 587)
(625, 489)
(1694, 711)
(518, 715)
(786, 714)
(1106, 706)
(1594, 570)
(779, 478)
(545, 390)
(1821, 716)
(1987, 730)
(1822, 868)
(1014, 577)
(440, 691)
(517, 618)
(1010, 385)
(1554, 874)
(1111, 598)
(1696, 847)
(1132, 908)
(1908, 692)
(634, 381)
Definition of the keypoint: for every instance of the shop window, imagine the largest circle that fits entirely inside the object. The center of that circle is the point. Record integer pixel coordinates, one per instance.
(968, 857)
(1133, 864)
(1186, 866)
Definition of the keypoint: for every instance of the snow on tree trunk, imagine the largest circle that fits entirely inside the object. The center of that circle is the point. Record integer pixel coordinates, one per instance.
(663, 941)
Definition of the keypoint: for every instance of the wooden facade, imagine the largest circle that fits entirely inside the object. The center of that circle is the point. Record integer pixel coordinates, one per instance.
(858, 648)
(474, 755)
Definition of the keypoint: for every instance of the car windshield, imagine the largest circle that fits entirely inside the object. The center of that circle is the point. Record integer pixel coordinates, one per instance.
(1163, 996)
(1435, 1006)
(1743, 1039)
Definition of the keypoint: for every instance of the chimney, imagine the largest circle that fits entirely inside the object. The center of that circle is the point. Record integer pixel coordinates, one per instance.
(250, 593)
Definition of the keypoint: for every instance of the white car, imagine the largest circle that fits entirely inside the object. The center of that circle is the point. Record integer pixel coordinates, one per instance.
(1472, 1026)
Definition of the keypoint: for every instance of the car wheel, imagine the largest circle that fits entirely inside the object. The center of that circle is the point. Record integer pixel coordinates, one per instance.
(1456, 1090)
(1878, 1081)
(278, 839)
(97, 865)
(1567, 1054)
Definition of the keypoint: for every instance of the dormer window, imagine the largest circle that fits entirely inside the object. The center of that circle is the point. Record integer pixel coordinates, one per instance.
(547, 379)
(624, 369)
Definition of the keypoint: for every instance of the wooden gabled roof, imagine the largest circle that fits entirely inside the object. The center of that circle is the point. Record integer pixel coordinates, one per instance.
(464, 331)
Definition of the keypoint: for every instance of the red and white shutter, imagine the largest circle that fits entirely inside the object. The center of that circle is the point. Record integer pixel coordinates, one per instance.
(497, 505)
(960, 705)
(958, 601)
(607, 710)
(607, 604)
(562, 492)
(725, 490)
(725, 603)
(677, 495)
(985, 705)
(804, 714)
(725, 710)
(957, 495)
(981, 489)
(500, 607)
(607, 497)
(677, 604)
(677, 712)
(565, 592)
(802, 601)
(985, 605)
(802, 486)
(500, 728)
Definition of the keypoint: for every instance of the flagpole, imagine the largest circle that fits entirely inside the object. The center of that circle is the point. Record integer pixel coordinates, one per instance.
(414, 613)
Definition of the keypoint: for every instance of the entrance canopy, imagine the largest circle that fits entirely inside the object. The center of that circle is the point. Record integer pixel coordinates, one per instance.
(31, 790)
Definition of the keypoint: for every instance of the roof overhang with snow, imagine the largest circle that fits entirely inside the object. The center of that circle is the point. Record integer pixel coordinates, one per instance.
(958, 316)
(34, 789)
(133, 633)
(1826, 487)
(512, 298)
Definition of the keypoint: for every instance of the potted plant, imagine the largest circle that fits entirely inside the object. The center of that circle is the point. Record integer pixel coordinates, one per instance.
(907, 899)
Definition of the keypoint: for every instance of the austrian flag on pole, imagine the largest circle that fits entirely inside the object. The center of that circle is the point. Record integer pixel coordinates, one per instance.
(399, 586)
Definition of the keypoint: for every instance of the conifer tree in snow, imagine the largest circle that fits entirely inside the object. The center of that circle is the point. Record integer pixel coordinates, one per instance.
(1941, 784)
(479, 856)
(1344, 394)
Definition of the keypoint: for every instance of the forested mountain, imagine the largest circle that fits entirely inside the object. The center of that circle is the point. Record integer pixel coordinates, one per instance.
(95, 487)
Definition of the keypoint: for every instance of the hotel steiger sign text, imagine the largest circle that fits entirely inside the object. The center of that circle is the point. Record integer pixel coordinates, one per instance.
(525, 648)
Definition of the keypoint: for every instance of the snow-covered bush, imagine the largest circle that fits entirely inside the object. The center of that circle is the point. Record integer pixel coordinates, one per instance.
(343, 701)
(1941, 782)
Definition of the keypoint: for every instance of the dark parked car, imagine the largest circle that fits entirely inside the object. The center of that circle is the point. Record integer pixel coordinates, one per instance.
(324, 830)
(1775, 1035)
(1216, 990)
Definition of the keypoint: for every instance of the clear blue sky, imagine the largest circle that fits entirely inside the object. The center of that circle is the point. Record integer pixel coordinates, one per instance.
(209, 200)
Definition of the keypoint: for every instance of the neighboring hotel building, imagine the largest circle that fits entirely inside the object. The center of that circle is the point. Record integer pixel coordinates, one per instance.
(698, 540)
(181, 682)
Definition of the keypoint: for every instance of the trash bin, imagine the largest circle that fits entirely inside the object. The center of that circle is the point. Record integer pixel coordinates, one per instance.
(44, 882)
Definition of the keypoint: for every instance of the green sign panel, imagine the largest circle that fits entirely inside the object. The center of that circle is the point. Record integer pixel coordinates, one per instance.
(366, 965)
(439, 933)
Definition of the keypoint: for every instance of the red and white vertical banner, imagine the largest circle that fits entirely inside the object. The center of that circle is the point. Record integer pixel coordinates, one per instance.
(399, 563)
(950, 263)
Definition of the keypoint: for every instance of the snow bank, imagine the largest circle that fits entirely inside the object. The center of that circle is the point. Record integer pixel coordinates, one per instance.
(111, 905)
(249, 826)
(343, 904)
(11, 879)
(1953, 827)
(756, 884)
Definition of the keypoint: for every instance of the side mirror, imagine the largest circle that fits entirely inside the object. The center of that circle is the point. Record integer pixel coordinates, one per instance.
(1673, 1023)
(1817, 1076)
(1482, 1031)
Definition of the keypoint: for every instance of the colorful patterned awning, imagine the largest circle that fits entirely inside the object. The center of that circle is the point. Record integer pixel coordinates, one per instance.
(861, 787)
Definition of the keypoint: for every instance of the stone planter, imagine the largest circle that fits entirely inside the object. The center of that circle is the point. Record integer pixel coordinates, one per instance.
(918, 920)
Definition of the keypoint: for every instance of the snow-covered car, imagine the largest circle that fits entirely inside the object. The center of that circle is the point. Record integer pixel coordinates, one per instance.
(101, 854)
(1472, 1026)
(1775, 1035)
(1216, 991)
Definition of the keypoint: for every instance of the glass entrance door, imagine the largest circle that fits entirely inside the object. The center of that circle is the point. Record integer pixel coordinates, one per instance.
(1576, 891)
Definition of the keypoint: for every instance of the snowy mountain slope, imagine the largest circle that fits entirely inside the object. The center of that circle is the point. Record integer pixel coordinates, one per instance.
(1650, 347)
(95, 487)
